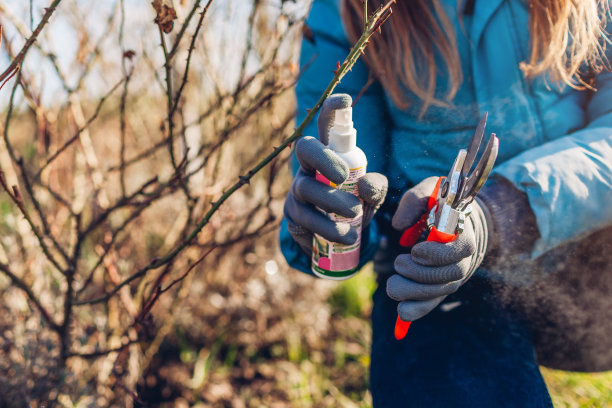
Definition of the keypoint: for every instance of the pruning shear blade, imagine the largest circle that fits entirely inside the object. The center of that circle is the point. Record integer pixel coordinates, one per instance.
(480, 174)
(461, 186)
(475, 144)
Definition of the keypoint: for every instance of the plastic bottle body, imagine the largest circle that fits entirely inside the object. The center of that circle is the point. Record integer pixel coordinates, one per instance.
(331, 260)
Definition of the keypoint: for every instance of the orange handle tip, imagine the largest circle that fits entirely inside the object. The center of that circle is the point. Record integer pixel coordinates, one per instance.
(439, 236)
(401, 328)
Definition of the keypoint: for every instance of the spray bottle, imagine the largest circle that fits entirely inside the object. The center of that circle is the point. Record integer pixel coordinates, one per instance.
(331, 260)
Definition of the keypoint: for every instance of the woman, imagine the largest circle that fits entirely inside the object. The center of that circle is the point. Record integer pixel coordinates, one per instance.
(534, 67)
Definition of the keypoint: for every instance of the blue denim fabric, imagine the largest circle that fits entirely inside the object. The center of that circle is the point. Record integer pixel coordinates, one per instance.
(478, 354)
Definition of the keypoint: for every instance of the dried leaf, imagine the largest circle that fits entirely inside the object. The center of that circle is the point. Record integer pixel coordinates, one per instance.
(129, 54)
(165, 16)
(157, 5)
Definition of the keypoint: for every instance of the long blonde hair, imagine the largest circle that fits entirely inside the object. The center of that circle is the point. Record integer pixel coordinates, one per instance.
(568, 42)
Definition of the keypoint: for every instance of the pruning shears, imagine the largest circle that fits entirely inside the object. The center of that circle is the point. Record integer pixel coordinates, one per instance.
(450, 201)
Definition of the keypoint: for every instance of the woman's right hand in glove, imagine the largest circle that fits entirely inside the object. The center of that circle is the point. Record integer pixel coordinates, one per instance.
(306, 193)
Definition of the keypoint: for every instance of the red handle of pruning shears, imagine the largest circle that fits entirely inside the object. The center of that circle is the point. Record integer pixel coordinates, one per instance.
(410, 238)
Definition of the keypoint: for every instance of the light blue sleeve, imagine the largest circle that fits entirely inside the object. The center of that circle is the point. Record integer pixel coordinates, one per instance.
(569, 181)
(370, 115)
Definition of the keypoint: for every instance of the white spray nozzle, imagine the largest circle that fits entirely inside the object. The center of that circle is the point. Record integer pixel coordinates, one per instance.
(342, 136)
(343, 121)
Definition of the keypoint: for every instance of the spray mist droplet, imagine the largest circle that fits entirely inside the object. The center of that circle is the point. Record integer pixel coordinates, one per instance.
(271, 267)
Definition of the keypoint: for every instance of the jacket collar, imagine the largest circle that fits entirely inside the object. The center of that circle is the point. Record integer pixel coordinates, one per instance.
(483, 13)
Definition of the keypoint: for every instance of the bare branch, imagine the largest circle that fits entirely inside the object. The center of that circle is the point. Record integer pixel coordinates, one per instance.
(189, 53)
(15, 280)
(101, 353)
(21, 55)
(17, 199)
(70, 141)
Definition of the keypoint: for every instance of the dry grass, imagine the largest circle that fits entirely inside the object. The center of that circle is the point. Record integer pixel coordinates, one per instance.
(582, 390)
(317, 353)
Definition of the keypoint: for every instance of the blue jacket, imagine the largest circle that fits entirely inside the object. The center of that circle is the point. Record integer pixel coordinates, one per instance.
(555, 144)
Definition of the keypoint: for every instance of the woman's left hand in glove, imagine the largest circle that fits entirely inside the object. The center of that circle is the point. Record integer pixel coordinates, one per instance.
(501, 225)
(432, 271)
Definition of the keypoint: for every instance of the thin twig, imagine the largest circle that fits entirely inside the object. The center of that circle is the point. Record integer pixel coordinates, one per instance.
(168, 70)
(189, 53)
(21, 55)
(371, 80)
(26, 289)
(9, 77)
(70, 141)
(122, 106)
(184, 275)
(101, 353)
(39, 211)
(175, 46)
(17, 199)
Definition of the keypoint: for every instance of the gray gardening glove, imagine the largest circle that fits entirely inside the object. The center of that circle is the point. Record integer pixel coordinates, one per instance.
(306, 193)
(433, 270)
(501, 225)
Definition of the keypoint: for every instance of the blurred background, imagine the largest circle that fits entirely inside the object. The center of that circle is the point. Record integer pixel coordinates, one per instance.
(125, 123)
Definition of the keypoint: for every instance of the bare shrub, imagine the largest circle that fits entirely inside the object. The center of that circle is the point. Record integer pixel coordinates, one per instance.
(125, 127)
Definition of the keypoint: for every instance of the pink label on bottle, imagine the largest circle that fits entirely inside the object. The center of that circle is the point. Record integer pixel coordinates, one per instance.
(325, 263)
(334, 260)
